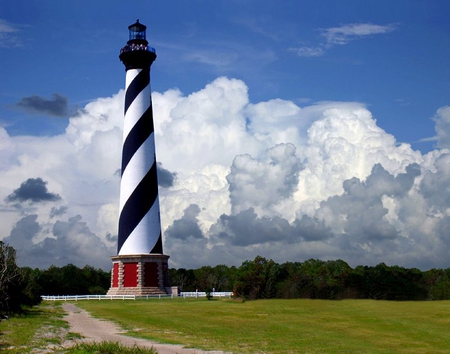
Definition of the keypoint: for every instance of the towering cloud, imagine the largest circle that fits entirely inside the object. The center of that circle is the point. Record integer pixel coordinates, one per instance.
(442, 120)
(165, 177)
(187, 226)
(254, 183)
(238, 179)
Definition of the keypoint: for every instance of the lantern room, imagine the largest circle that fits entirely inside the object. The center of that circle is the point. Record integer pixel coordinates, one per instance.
(137, 31)
(137, 53)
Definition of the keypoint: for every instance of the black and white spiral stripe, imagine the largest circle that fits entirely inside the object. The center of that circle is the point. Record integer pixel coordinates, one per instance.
(139, 221)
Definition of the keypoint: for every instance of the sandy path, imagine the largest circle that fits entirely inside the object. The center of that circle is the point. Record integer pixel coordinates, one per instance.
(95, 330)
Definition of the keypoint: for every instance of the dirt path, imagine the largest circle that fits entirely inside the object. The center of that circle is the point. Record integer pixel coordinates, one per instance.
(95, 330)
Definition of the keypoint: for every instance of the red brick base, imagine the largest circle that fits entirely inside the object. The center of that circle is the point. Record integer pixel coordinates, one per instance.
(140, 275)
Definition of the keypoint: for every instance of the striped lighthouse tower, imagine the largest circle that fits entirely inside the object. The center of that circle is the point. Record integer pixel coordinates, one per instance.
(140, 267)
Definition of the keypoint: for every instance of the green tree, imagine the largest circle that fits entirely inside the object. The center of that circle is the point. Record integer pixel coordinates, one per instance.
(185, 278)
(332, 279)
(204, 277)
(391, 283)
(311, 278)
(71, 280)
(257, 279)
(290, 279)
(223, 277)
(97, 280)
(437, 282)
(31, 290)
(10, 279)
(219, 278)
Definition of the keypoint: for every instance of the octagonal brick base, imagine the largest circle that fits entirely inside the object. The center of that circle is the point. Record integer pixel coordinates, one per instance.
(139, 275)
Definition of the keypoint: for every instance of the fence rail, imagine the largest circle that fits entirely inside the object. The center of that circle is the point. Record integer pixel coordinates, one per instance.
(203, 294)
(87, 297)
(131, 297)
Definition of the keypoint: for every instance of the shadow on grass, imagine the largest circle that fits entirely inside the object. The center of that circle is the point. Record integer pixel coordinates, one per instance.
(33, 312)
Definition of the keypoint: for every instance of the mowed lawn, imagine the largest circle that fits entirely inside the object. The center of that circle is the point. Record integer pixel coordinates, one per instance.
(286, 326)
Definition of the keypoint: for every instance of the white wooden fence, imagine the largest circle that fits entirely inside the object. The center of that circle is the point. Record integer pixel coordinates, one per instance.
(132, 297)
(203, 294)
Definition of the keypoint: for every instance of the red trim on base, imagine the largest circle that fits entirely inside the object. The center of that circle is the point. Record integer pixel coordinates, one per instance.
(130, 275)
(151, 277)
(115, 275)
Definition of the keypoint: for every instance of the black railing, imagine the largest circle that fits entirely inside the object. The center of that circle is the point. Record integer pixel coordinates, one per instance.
(137, 47)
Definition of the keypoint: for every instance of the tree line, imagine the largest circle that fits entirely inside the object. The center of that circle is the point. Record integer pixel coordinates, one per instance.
(263, 278)
(23, 286)
(259, 278)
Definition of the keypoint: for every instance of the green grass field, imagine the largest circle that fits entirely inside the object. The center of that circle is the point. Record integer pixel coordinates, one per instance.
(37, 327)
(41, 329)
(286, 326)
(263, 326)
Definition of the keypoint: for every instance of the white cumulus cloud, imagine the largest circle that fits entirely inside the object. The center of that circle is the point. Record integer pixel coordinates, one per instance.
(241, 178)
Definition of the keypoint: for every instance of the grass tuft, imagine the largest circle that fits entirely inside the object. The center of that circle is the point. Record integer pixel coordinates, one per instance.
(107, 348)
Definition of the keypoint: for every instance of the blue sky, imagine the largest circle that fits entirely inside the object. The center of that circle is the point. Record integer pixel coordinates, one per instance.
(70, 48)
(264, 76)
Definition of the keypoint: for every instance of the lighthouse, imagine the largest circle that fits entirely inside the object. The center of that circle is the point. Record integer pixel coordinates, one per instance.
(140, 267)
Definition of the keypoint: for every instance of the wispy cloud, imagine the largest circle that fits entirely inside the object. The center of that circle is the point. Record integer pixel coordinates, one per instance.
(345, 34)
(427, 140)
(8, 37)
(258, 26)
(308, 51)
(212, 58)
(341, 36)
